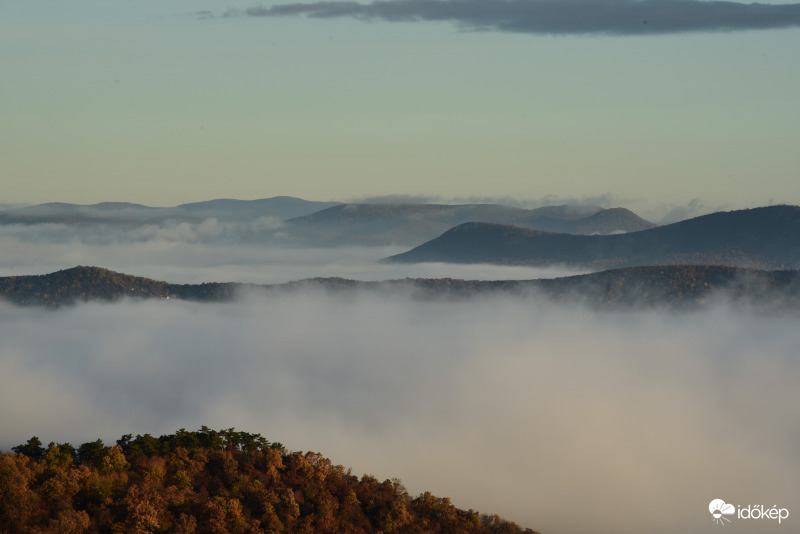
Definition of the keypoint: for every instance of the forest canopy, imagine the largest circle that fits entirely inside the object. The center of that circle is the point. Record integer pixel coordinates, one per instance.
(209, 481)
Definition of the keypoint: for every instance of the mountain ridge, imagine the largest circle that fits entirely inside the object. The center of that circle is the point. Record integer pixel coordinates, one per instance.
(293, 221)
(678, 286)
(281, 207)
(411, 224)
(766, 238)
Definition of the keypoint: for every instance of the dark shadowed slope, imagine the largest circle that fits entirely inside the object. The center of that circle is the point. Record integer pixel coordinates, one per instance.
(411, 224)
(678, 286)
(767, 238)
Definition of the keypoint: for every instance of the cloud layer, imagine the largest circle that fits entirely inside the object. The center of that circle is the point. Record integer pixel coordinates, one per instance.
(209, 251)
(557, 418)
(611, 17)
(554, 417)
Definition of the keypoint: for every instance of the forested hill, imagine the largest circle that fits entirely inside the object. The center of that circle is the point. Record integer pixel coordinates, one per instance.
(677, 286)
(94, 283)
(209, 481)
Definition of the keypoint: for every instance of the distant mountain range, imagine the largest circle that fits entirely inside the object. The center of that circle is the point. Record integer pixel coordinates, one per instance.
(297, 222)
(679, 286)
(281, 208)
(411, 224)
(765, 238)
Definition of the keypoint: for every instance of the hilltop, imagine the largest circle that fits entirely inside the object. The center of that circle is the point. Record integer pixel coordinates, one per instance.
(210, 481)
(82, 284)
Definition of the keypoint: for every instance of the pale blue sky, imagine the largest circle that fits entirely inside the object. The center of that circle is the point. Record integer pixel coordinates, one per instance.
(146, 102)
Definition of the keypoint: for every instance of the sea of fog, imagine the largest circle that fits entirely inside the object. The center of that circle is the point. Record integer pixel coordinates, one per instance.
(211, 251)
(556, 417)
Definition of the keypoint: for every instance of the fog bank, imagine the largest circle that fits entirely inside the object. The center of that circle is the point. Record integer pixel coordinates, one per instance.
(557, 418)
(180, 256)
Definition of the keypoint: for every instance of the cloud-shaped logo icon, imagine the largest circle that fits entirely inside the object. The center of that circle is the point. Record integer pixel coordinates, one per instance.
(719, 509)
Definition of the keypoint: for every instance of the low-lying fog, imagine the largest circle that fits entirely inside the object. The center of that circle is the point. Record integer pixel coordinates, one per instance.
(211, 251)
(558, 418)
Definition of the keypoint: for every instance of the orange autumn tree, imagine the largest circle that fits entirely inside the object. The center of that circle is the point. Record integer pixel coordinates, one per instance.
(209, 481)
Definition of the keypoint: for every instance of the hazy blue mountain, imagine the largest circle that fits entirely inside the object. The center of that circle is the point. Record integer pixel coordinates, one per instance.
(282, 207)
(56, 208)
(410, 224)
(279, 208)
(111, 206)
(62, 212)
(297, 222)
(766, 237)
(609, 221)
(66, 213)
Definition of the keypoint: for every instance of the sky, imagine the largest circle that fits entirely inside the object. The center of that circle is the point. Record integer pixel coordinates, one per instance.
(660, 102)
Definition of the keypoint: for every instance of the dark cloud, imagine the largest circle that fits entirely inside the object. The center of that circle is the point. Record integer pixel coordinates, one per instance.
(611, 17)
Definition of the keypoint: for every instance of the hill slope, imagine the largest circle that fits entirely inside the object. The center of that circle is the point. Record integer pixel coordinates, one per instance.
(94, 283)
(767, 238)
(211, 481)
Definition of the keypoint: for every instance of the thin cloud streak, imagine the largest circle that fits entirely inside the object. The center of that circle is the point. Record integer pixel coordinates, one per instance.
(586, 17)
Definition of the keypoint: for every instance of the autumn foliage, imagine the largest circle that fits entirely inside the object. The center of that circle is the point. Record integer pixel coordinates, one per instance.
(209, 482)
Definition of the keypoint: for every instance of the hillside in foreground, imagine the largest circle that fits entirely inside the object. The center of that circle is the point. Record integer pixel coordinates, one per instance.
(762, 238)
(207, 481)
(675, 286)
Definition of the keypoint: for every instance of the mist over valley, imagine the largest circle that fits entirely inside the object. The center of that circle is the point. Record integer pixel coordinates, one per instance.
(510, 389)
